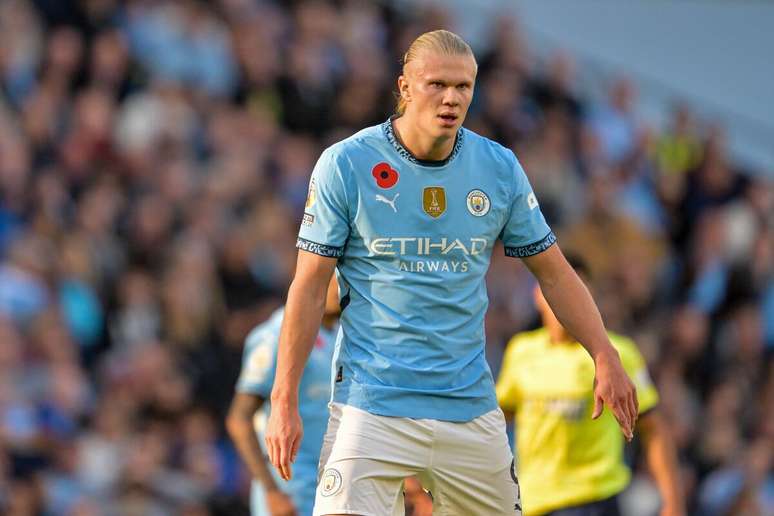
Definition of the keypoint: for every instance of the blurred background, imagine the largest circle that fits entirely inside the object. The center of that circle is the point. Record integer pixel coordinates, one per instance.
(154, 160)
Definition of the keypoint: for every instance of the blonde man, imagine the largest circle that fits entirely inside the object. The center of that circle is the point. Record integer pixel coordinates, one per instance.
(407, 213)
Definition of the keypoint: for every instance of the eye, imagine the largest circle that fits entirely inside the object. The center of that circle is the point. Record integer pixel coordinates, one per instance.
(436, 84)
(463, 87)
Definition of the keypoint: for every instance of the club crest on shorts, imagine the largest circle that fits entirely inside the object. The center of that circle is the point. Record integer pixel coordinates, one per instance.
(330, 483)
(434, 201)
(478, 203)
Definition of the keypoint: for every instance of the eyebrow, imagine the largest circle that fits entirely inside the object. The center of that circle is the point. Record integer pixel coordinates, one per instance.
(456, 83)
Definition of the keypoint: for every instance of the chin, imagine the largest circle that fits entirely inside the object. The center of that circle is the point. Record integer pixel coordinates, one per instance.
(446, 130)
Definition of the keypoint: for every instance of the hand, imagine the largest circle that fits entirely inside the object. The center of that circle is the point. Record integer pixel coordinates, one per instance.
(283, 437)
(279, 504)
(612, 387)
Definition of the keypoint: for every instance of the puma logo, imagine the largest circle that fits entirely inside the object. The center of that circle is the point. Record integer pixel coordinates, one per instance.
(385, 200)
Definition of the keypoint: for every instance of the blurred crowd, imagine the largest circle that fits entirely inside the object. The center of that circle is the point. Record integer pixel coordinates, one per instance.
(154, 160)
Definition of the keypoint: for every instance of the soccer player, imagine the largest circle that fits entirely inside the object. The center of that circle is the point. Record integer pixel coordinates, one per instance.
(569, 464)
(270, 496)
(408, 212)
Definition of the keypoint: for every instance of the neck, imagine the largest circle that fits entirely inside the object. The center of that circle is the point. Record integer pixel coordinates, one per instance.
(421, 145)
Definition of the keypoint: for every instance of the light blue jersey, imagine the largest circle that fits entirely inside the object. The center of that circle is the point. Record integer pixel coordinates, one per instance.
(414, 240)
(257, 378)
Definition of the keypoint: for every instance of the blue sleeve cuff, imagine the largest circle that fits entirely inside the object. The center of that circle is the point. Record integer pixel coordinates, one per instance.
(532, 249)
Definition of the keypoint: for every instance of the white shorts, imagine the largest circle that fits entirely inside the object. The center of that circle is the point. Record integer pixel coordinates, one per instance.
(467, 467)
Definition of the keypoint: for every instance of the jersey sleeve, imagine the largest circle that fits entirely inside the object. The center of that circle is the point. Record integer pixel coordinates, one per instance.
(325, 225)
(526, 232)
(506, 388)
(637, 369)
(258, 363)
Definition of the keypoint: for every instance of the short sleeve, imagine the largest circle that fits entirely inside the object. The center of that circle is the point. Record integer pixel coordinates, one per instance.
(634, 363)
(258, 363)
(325, 225)
(526, 232)
(507, 389)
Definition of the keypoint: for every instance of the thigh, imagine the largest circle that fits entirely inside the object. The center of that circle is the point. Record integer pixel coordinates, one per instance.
(472, 471)
(607, 507)
(364, 460)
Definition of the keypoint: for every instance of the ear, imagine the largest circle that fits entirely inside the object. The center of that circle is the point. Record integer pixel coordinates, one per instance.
(403, 88)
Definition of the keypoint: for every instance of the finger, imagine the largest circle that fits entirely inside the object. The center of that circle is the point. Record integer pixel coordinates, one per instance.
(270, 449)
(294, 451)
(636, 402)
(598, 406)
(288, 471)
(621, 415)
(284, 460)
(633, 409)
(275, 461)
(626, 418)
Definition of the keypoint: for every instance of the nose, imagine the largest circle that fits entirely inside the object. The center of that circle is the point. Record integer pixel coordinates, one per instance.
(451, 97)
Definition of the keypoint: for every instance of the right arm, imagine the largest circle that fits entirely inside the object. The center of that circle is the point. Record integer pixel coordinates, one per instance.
(239, 424)
(662, 461)
(303, 314)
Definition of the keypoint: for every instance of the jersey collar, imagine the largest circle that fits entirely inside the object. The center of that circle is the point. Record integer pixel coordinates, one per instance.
(389, 133)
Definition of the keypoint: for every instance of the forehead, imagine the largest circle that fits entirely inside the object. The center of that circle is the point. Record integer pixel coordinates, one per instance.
(436, 65)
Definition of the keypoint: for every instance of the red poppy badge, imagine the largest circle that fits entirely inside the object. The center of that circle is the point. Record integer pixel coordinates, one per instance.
(385, 175)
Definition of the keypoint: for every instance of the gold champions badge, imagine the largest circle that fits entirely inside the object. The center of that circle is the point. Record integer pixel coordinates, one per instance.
(434, 201)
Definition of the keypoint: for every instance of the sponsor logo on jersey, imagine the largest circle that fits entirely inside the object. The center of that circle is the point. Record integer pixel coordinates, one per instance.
(452, 252)
(330, 483)
(478, 203)
(424, 246)
(389, 202)
(434, 201)
(308, 219)
(311, 197)
(567, 408)
(385, 175)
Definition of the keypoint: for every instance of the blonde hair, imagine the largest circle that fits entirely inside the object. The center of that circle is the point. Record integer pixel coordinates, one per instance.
(441, 41)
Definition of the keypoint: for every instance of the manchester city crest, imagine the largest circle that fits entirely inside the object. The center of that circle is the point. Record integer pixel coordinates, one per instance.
(478, 203)
(330, 482)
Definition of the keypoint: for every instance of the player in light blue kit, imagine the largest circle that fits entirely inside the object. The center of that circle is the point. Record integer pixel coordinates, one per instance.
(408, 213)
(270, 495)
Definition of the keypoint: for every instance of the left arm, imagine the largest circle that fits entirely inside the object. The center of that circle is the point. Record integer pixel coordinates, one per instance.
(571, 301)
(662, 462)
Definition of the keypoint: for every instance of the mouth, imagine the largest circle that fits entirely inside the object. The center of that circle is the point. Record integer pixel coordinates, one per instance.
(448, 119)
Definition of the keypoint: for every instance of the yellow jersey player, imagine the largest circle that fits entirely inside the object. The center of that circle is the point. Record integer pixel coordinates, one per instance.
(570, 457)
